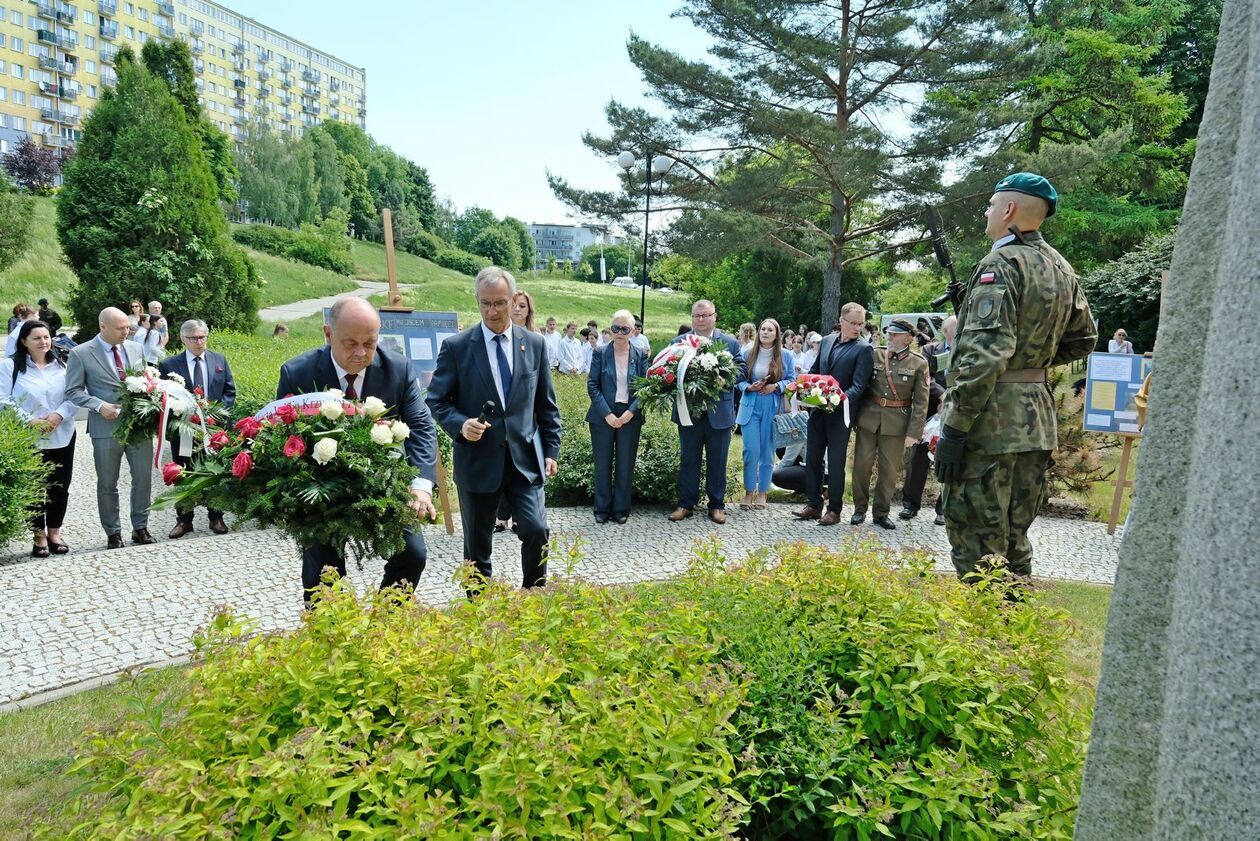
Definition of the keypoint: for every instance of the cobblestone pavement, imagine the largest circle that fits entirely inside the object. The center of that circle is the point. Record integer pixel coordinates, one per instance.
(95, 612)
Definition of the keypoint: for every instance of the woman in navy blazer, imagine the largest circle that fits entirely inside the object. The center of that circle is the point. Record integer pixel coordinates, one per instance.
(768, 372)
(615, 418)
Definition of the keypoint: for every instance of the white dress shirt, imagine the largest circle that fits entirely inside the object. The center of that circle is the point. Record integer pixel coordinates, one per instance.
(10, 346)
(570, 355)
(38, 393)
(205, 370)
(493, 355)
(587, 352)
(553, 348)
(417, 484)
(641, 342)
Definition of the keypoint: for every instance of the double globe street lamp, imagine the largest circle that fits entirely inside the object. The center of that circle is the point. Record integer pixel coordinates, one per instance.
(659, 166)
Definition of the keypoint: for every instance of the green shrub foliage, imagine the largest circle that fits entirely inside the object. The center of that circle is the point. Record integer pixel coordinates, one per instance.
(584, 712)
(325, 245)
(16, 211)
(138, 214)
(22, 475)
(796, 694)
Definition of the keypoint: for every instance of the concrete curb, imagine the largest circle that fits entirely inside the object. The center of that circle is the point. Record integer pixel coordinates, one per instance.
(47, 696)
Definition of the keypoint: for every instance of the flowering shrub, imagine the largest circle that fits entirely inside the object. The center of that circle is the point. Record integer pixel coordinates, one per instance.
(820, 391)
(697, 370)
(325, 471)
(150, 404)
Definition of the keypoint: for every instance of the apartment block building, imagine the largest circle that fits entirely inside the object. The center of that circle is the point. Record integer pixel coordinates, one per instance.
(565, 242)
(56, 58)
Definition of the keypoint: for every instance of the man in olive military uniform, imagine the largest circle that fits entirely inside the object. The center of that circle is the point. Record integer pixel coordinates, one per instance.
(892, 419)
(1022, 312)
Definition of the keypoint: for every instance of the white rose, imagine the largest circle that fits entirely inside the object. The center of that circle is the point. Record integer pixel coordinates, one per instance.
(382, 434)
(331, 409)
(399, 430)
(178, 408)
(336, 392)
(835, 400)
(707, 361)
(374, 407)
(137, 385)
(175, 378)
(152, 372)
(325, 449)
(815, 392)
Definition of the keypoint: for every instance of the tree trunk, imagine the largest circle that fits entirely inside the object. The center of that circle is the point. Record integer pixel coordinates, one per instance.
(835, 265)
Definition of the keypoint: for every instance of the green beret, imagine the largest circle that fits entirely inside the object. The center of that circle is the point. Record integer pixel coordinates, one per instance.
(899, 325)
(1030, 184)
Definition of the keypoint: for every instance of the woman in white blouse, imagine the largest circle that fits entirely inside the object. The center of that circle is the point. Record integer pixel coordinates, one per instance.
(1120, 343)
(615, 419)
(33, 382)
(149, 337)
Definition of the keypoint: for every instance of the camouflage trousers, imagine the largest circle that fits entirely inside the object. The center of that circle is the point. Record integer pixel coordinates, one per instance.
(989, 510)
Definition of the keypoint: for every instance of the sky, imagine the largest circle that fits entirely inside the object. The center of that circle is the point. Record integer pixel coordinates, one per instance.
(489, 95)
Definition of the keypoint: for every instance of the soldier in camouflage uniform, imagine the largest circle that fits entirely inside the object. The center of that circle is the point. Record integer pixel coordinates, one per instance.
(1022, 312)
(891, 420)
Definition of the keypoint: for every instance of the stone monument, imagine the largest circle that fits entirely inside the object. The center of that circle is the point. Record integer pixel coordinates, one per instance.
(1175, 751)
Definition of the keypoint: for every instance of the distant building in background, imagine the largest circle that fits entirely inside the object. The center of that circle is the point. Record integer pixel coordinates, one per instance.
(57, 58)
(565, 242)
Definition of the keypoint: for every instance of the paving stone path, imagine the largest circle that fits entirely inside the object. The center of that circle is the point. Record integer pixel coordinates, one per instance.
(94, 613)
(310, 306)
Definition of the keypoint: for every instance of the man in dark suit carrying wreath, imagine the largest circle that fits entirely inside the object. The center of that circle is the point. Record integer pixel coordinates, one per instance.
(352, 363)
(492, 393)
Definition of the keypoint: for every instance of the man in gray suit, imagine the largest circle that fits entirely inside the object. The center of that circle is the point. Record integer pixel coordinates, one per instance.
(93, 374)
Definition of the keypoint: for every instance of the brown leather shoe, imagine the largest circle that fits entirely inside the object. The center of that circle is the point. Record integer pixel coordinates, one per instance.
(680, 513)
(180, 530)
(807, 513)
(718, 516)
(141, 537)
(218, 526)
(829, 519)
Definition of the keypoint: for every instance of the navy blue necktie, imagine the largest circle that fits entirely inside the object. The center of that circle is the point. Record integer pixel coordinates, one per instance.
(505, 371)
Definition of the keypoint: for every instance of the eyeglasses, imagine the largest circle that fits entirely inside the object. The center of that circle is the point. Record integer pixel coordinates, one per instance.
(194, 338)
(703, 314)
(858, 324)
(135, 306)
(620, 329)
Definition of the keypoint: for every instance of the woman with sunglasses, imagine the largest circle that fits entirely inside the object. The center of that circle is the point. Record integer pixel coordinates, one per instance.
(615, 419)
(33, 382)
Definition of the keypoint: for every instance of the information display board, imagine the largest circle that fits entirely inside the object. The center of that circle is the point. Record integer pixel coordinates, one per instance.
(417, 336)
(1111, 382)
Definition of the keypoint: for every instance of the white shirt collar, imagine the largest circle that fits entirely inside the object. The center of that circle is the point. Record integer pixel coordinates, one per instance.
(190, 357)
(1006, 240)
(488, 334)
(341, 375)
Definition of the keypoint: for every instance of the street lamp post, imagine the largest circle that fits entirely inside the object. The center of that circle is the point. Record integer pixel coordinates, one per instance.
(658, 165)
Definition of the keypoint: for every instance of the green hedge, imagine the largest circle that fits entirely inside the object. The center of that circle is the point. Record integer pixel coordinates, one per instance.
(797, 694)
(22, 475)
(317, 245)
(432, 247)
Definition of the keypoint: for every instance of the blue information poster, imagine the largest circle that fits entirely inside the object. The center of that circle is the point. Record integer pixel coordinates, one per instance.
(417, 336)
(1112, 381)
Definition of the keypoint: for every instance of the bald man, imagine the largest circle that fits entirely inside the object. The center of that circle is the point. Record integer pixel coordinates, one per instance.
(351, 361)
(94, 373)
(1022, 313)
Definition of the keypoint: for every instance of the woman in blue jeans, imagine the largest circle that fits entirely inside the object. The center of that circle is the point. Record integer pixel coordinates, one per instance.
(769, 370)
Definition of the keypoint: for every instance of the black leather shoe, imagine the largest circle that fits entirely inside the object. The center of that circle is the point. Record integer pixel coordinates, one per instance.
(884, 523)
(115, 541)
(218, 526)
(180, 530)
(621, 519)
(141, 537)
(908, 513)
(601, 518)
(858, 518)
(939, 521)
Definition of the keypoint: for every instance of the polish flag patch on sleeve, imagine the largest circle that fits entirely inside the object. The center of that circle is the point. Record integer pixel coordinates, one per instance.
(988, 277)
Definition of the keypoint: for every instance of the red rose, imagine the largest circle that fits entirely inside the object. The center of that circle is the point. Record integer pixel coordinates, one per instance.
(287, 413)
(295, 447)
(171, 472)
(195, 418)
(669, 379)
(248, 427)
(219, 440)
(210, 421)
(197, 391)
(242, 464)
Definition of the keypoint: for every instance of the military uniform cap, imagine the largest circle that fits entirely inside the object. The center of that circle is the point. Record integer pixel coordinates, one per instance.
(899, 325)
(1030, 184)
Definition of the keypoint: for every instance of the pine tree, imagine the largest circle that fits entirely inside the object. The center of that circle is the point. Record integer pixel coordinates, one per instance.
(138, 215)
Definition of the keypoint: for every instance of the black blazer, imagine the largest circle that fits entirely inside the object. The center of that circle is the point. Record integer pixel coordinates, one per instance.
(529, 428)
(601, 382)
(220, 386)
(389, 378)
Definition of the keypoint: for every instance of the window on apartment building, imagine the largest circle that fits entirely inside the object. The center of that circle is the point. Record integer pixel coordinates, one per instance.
(16, 18)
(89, 18)
(19, 124)
(89, 42)
(41, 102)
(130, 9)
(90, 66)
(144, 15)
(16, 43)
(17, 71)
(4, 94)
(19, 97)
(92, 91)
(144, 37)
(129, 32)
(2, 38)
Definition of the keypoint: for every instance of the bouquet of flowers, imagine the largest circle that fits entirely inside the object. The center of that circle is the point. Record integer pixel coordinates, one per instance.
(150, 404)
(691, 375)
(317, 466)
(932, 434)
(820, 391)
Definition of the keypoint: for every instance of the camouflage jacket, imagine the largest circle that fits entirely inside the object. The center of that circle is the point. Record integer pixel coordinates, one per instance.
(909, 377)
(1023, 309)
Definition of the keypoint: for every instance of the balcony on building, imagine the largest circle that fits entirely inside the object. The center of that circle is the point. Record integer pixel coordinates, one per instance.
(47, 62)
(310, 90)
(310, 108)
(196, 47)
(65, 17)
(45, 36)
(240, 119)
(285, 65)
(45, 11)
(199, 65)
(110, 78)
(55, 140)
(238, 49)
(310, 76)
(68, 42)
(68, 93)
(334, 100)
(287, 99)
(362, 112)
(108, 55)
(109, 30)
(264, 74)
(238, 83)
(197, 27)
(265, 91)
(108, 7)
(167, 9)
(48, 88)
(240, 102)
(166, 31)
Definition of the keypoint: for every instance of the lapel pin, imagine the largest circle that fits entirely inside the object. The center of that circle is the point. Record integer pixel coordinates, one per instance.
(522, 348)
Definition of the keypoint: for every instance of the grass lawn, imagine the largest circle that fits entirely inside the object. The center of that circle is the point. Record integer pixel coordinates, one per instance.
(1098, 499)
(42, 271)
(36, 745)
(288, 280)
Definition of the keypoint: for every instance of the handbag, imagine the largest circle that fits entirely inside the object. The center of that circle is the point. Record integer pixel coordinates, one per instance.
(790, 427)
